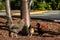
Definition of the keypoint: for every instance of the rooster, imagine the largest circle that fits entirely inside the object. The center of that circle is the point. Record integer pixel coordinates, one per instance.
(16, 28)
(41, 28)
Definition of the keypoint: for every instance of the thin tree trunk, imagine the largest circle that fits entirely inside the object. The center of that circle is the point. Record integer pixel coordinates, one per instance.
(25, 11)
(8, 12)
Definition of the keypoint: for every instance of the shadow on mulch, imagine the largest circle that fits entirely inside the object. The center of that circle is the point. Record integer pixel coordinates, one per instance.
(25, 33)
(22, 33)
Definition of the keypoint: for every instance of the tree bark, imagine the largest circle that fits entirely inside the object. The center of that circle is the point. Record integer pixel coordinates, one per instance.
(8, 12)
(25, 11)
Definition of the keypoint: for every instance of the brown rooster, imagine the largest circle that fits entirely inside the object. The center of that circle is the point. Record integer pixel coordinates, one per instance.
(41, 28)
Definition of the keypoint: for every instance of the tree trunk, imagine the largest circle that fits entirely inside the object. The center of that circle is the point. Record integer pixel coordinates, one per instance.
(25, 11)
(8, 12)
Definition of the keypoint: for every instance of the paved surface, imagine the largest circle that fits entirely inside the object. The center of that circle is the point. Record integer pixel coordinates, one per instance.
(52, 15)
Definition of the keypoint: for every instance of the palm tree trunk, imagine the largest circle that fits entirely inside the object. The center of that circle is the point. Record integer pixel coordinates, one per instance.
(25, 11)
(8, 12)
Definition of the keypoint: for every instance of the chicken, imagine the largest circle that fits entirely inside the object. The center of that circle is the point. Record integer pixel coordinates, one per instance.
(41, 29)
(16, 28)
(31, 30)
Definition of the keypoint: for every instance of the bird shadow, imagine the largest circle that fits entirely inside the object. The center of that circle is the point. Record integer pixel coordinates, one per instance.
(21, 33)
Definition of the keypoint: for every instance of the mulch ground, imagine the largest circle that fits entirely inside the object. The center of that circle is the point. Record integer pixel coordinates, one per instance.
(4, 34)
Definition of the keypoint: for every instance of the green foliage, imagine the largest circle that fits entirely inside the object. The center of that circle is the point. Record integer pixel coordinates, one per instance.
(2, 5)
(58, 7)
(48, 6)
(41, 6)
(36, 5)
(15, 4)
